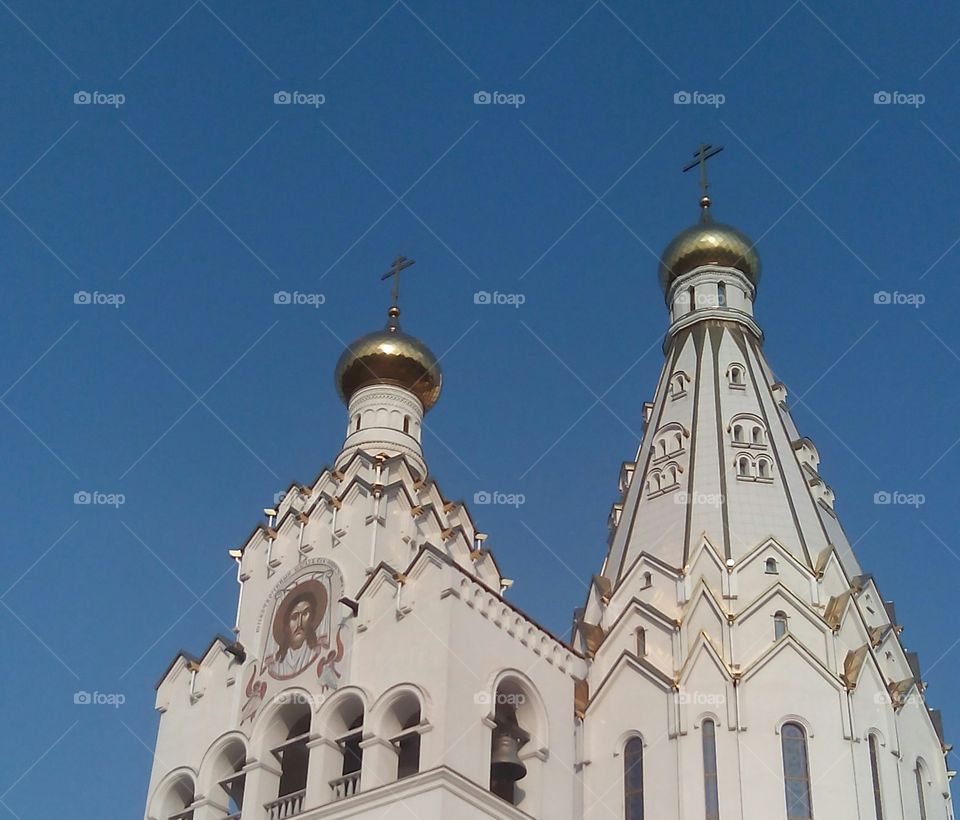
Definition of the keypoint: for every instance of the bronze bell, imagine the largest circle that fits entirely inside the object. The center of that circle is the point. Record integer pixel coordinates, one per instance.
(505, 763)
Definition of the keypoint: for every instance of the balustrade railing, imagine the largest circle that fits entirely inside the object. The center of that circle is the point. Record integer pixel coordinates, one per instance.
(346, 786)
(286, 806)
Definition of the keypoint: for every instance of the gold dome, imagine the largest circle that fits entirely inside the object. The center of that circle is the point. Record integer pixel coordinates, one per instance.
(708, 243)
(390, 356)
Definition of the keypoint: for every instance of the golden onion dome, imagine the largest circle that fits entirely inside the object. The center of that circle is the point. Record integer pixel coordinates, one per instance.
(708, 243)
(390, 356)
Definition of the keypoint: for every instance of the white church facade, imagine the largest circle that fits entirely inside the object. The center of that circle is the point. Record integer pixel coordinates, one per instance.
(732, 660)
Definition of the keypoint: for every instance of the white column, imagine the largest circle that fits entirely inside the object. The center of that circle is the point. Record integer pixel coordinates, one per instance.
(379, 763)
(325, 764)
(261, 786)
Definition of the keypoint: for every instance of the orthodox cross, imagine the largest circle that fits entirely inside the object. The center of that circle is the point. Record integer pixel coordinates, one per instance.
(399, 264)
(700, 157)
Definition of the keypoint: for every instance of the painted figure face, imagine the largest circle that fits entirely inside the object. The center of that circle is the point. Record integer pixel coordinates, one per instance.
(299, 623)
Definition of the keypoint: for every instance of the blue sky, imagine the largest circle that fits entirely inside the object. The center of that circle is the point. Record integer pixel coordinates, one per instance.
(194, 198)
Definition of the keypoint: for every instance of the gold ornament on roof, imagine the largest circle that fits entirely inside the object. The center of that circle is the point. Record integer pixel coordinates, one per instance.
(707, 242)
(390, 356)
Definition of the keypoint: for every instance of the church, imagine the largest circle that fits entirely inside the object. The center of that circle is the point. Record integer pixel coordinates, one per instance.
(731, 660)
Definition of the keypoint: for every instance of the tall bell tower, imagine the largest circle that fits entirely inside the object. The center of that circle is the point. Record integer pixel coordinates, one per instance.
(376, 670)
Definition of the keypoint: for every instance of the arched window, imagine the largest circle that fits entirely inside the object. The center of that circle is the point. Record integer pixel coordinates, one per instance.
(796, 772)
(771, 566)
(356, 422)
(736, 375)
(875, 775)
(228, 774)
(647, 579)
(677, 442)
(293, 757)
(711, 794)
(406, 424)
(763, 468)
(402, 726)
(641, 641)
(738, 432)
(743, 467)
(175, 802)
(779, 624)
(921, 800)
(633, 779)
(757, 434)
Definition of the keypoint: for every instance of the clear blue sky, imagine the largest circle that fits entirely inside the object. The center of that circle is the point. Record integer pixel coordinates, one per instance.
(199, 398)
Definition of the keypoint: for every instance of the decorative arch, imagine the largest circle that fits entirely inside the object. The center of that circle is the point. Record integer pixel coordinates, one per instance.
(225, 757)
(625, 738)
(518, 725)
(277, 717)
(678, 384)
(339, 707)
(342, 720)
(698, 721)
(533, 708)
(398, 716)
(736, 375)
(792, 718)
(748, 430)
(668, 440)
(378, 723)
(175, 793)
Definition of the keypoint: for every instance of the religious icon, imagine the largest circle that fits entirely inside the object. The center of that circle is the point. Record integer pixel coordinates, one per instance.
(305, 639)
(295, 627)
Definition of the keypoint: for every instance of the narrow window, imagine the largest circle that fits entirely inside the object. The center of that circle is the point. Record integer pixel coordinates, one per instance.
(678, 439)
(647, 579)
(875, 774)
(692, 298)
(796, 772)
(356, 423)
(764, 468)
(737, 432)
(757, 435)
(779, 625)
(722, 294)
(641, 641)
(633, 779)
(711, 795)
(736, 375)
(771, 566)
(743, 467)
(921, 800)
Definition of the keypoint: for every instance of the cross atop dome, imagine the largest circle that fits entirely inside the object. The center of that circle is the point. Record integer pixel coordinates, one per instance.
(700, 157)
(707, 242)
(399, 264)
